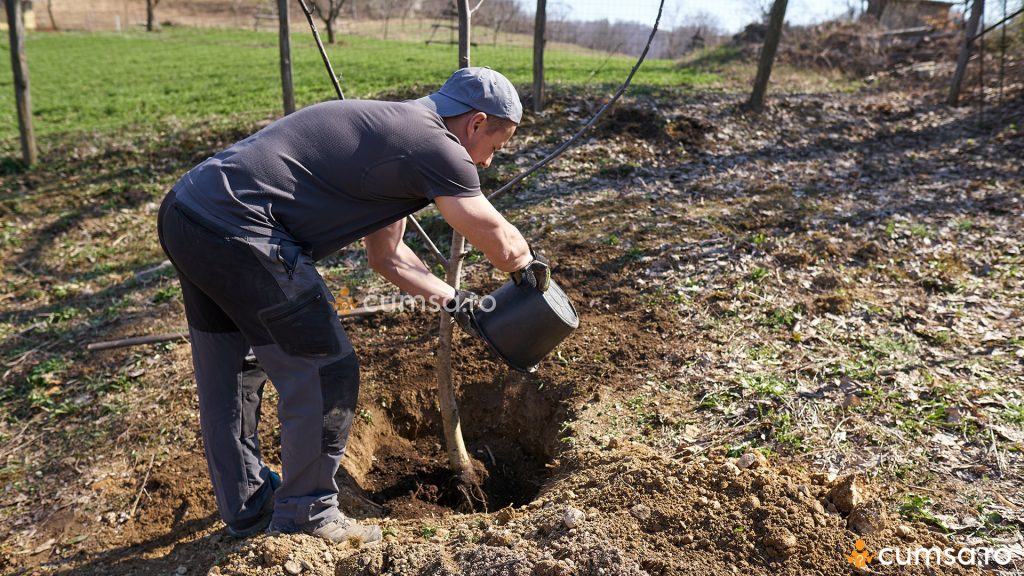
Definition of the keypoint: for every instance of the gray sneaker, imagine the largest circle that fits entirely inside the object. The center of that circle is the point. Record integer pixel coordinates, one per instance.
(342, 529)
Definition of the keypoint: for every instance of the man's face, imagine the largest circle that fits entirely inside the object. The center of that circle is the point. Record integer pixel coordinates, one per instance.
(484, 141)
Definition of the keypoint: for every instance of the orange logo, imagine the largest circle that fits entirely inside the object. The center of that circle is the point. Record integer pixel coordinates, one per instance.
(860, 557)
(344, 303)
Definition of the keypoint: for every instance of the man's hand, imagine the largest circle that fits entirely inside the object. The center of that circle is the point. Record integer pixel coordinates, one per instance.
(536, 274)
(461, 308)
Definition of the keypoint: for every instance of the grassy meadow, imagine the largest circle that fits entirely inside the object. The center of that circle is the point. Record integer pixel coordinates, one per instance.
(106, 81)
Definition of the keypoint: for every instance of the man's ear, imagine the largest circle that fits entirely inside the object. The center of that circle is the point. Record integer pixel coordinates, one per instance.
(477, 122)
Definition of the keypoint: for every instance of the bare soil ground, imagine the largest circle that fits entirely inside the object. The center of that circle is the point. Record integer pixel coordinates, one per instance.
(798, 330)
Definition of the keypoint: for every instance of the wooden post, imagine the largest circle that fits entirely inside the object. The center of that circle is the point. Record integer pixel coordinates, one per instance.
(22, 94)
(965, 52)
(540, 23)
(458, 457)
(287, 88)
(464, 29)
(771, 44)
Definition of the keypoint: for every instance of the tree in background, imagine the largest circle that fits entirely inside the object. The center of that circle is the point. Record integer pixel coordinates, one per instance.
(151, 13)
(328, 10)
(764, 67)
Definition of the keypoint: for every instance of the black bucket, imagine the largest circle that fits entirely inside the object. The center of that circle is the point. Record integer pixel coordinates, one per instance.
(523, 324)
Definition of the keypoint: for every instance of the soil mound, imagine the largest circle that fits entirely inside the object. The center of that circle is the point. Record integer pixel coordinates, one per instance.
(628, 511)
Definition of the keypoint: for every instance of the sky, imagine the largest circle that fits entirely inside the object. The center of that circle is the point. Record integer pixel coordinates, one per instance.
(732, 15)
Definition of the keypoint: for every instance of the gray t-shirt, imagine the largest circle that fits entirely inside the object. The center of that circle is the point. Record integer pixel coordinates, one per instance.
(331, 173)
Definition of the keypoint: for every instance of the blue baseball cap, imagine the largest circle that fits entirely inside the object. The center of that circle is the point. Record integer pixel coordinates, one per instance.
(480, 89)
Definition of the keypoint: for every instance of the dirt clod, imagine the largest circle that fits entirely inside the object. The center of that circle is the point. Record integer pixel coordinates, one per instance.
(868, 518)
(846, 493)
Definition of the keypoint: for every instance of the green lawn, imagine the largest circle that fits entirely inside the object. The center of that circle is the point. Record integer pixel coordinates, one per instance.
(88, 81)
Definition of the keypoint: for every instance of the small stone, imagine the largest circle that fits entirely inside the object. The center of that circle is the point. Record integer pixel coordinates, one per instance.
(686, 538)
(110, 518)
(613, 443)
(181, 570)
(573, 517)
(846, 493)
(851, 401)
(730, 469)
(904, 531)
(752, 460)
(817, 507)
(803, 490)
(753, 501)
(641, 512)
(292, 567)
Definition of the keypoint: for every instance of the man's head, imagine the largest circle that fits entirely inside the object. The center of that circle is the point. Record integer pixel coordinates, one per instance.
(481, 107)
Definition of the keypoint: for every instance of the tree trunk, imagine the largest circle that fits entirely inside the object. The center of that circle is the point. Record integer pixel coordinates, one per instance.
(458, 458)
(965, 52)
(22, 93)
(538, 55)
(287, 89)
(771, 44)
(49, 12)
(150, 14)
(330, 30)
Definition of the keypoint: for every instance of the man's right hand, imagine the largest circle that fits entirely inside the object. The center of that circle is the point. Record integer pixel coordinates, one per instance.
(536, 274)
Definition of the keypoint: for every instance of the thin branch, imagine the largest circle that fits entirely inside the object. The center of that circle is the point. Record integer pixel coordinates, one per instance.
(558, 151)
(477, 7)
(430, 244)
(341, 96)
(320, 46)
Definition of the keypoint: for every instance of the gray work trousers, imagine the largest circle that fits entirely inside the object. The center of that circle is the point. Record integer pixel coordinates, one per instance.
(264, 294)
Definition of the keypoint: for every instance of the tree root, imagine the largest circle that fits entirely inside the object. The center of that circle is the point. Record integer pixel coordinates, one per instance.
(467, 489)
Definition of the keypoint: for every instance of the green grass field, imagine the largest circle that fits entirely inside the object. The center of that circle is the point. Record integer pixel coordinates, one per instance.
(106, 81)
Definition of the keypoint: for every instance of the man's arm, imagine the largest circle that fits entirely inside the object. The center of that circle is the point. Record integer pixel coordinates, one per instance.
(392, 258)
(485, 228)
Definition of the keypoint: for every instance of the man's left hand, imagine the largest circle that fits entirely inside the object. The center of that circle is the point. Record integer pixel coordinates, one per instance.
(461, 308)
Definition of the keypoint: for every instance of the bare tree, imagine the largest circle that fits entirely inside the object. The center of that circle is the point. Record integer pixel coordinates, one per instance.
(499, 14)
(771, 45)
(388, 9)
(151, 13)
(328, 10)
(49, 12)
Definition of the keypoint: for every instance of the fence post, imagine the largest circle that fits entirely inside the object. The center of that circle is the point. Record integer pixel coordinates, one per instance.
(22, 93)
(538, 55)
(287, 88)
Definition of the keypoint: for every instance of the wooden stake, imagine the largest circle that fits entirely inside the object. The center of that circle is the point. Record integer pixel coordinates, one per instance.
(540, 23)
(284, 41)
(22, 93)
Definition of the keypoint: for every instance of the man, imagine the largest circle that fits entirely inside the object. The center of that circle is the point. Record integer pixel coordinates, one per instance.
(243, 230)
